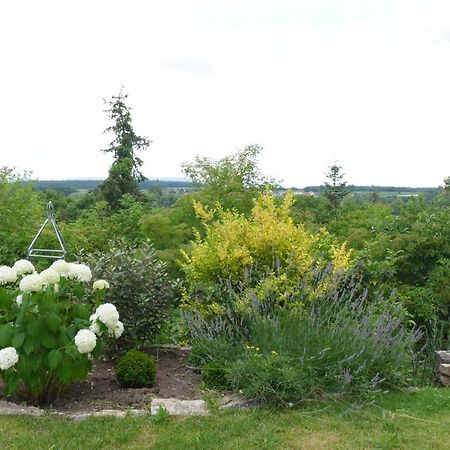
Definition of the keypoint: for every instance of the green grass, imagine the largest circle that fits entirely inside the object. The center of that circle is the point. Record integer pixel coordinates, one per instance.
(413, 420)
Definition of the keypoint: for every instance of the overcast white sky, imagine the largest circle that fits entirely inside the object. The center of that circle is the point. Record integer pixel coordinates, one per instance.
(364, 82)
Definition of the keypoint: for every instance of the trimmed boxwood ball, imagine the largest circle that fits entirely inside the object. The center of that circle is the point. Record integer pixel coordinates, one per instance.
(136, 369)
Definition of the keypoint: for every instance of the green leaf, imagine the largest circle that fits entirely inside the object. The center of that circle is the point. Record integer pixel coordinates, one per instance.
(35, 328)
(73, 352)
(64, 372)
(28, 346)
(18, 339)
(6, 334)
(27, 370)
(54, 358)
(48, 341)
(79, 291)
(52, 321)
(82, 312)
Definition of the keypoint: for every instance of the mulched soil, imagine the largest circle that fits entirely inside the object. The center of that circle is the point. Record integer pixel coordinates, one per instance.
(101, 390)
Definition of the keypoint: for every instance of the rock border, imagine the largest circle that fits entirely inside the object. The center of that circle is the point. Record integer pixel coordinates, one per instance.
(442, 367)
(174, 406)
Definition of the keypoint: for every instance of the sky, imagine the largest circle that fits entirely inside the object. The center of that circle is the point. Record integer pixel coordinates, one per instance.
(365, 83)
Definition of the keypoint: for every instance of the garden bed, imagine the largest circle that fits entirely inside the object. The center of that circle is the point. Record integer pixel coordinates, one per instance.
(174, 379)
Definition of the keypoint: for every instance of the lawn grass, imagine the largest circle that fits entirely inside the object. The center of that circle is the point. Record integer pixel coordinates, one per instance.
(411, 420)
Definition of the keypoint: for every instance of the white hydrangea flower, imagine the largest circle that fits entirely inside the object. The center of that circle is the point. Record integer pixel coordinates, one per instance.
(118, 330)
(62, 267)
(80, 272)
(100, 284)
(19, 300)
(84, 273)
(93, 318)
(49, 276)
(108, 314)
(85, 340)
(23, 266)
(8, 357)
(31, 283)
(95, 326)
(7, 275)
(72, 270)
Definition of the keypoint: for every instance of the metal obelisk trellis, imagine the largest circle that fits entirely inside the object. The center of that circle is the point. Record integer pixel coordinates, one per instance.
(48, 253)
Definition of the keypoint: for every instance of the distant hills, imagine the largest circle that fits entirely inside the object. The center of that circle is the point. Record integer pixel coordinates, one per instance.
(376, 188)
(179, 183)
(76, 185)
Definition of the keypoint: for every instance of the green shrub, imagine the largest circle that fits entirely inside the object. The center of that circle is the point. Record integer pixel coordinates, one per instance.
(136, 369)
(21, 213)
(268, 242)
(407, 249)
(140, 288)
(97, 225)
(214, 375)
(339, 343)
(212, 359)
(48, 334)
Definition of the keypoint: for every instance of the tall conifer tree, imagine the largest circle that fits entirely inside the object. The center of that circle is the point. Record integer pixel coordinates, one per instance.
(124, 174)
(336, 189)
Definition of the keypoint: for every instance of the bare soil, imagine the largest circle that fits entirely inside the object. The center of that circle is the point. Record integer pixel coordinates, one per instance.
(174, 379)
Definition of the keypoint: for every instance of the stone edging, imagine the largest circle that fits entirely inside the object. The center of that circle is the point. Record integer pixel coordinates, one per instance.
(442, 367)
(175, 407)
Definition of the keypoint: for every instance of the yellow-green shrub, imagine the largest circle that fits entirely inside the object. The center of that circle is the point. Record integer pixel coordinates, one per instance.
(267, 244)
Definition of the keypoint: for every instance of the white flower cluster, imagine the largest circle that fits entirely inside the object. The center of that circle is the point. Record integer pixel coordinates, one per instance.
(85, 340)
(49, 276)
(31, 283)
(7, 275)
(107, 314)
(95, 326)
(118, 329)
(79, 272)
(23, 266)
(100, 284)
(35, 282)
(8, 358)
(62, 267)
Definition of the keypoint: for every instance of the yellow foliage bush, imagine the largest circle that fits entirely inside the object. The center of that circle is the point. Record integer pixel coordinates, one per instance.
(267, 243)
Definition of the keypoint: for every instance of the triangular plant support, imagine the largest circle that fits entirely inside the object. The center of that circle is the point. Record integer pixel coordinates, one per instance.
(48, 253)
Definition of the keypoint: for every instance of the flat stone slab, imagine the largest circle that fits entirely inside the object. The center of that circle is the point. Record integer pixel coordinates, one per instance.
(233, 401)
(10, 409)
(444, 369)
(444, 380)
(178, 407)
(111, 413)
(174, 406)
(441, 357)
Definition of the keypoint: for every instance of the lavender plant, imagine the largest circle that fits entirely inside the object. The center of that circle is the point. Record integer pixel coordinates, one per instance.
(339, 342)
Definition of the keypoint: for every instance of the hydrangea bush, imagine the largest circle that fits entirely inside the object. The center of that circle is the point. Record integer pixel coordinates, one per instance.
(49, 332)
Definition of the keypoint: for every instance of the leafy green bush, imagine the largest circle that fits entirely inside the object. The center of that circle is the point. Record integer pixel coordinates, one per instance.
(136, 369)
(268, 242)
(48, 334)
(140, 289)
(21, 213)
(98, 225)
(339, 343)
(407, 250)
(212, 358)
